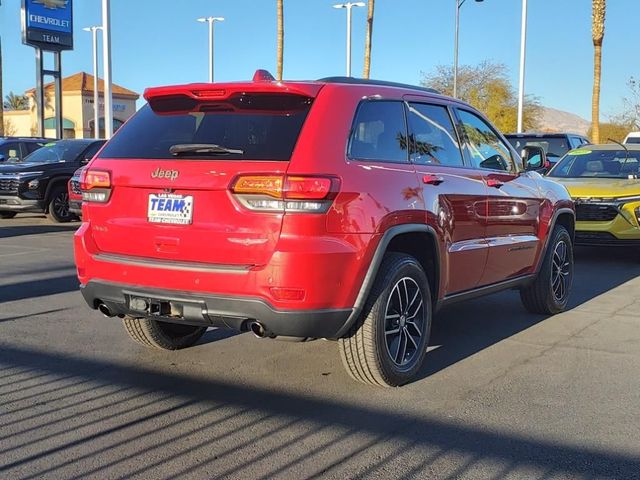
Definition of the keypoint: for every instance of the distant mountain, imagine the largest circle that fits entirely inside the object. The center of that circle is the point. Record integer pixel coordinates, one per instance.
(553, 120)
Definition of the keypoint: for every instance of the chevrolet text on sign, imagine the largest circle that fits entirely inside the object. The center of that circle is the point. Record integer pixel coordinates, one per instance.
(48, 24)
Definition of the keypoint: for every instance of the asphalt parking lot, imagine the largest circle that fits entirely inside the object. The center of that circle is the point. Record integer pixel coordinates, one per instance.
(504, 394)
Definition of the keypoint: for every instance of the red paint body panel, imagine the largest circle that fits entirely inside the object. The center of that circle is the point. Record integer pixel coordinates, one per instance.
(458, 208)
(327, 255)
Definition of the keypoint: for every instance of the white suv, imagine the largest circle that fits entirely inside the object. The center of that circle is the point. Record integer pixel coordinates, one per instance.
(633, 137)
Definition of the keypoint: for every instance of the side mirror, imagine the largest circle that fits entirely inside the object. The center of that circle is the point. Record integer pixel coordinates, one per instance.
(534, 158)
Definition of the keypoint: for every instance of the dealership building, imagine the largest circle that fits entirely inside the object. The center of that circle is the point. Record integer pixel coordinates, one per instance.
(77, 109)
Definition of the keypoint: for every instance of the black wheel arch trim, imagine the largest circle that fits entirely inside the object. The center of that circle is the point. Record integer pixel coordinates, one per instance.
(552, 226)
(393, 232)
(374, 266)
(53, 183)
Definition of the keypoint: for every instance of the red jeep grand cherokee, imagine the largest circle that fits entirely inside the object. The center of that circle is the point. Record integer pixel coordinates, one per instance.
(340, 208)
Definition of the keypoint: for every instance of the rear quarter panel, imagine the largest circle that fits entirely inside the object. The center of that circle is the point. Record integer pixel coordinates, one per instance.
(373, 196)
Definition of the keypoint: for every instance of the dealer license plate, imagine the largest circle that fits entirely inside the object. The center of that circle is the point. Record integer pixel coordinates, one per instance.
(170, 208)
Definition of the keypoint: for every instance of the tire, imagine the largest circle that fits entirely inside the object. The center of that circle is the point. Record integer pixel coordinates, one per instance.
(58, 205)
(7, 215)
(162, 335)
(371, 352)
(549, 293)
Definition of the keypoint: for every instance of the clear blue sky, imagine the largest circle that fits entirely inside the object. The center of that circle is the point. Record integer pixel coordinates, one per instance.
(159, 42)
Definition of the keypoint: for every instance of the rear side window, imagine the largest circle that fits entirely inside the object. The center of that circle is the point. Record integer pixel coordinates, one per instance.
(238, 130)
(32, 146)
(432, 136)
(576, 142)
(379, 132)
(91, 151)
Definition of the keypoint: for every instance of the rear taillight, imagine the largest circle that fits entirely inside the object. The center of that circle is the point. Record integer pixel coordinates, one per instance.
(95, 185)
(311, 194)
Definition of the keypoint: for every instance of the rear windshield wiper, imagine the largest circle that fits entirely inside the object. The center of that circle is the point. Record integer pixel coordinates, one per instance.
(201, 148)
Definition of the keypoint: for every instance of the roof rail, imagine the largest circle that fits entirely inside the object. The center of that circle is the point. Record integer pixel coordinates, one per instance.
(382, 83)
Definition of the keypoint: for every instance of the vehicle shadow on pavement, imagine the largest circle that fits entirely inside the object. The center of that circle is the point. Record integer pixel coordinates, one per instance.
(464, 329)
(217, 334)
(100, 419)
(38, 288)
(21, 230)
(31, 315)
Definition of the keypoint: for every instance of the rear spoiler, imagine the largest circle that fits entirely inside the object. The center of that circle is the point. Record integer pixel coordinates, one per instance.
(222, 91)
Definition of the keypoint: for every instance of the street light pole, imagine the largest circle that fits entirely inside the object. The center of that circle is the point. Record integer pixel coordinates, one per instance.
(523, 52)
(455, 49)
(211, 21)
(96, 97)
(108, 82)
(349, 6)
(459, 4)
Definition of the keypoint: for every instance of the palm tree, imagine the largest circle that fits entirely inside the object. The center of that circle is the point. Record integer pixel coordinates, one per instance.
(16, 102)
(280, 37)
(597, 33)
(367, 43)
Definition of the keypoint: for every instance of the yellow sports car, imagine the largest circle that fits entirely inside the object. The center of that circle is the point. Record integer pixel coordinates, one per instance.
(604, 181)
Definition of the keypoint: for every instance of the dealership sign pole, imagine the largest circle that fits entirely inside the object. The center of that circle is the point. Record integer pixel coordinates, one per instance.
(47, 26)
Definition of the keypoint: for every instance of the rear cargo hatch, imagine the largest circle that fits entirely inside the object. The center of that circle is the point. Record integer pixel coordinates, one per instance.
(170, 168)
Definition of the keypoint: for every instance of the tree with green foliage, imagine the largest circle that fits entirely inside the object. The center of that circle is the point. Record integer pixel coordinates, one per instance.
(16, 102)
(631, 113)
(487, 87)
(612, 130)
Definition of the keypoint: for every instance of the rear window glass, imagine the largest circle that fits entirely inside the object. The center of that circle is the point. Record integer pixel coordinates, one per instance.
(633, 140)
(61, 151)
(246, 129)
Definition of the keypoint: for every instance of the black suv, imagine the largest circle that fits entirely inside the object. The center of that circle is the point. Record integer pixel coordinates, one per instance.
(555, 145)
(39, 182)
(19, 147)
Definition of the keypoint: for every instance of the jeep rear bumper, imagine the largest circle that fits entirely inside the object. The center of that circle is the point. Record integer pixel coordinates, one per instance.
(213, 310)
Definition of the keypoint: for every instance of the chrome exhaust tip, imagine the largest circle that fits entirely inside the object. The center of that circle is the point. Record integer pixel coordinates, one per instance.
(258, 329)
(106, 311)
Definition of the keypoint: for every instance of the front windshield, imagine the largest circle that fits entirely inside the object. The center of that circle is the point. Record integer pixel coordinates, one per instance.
(554, 147)
(583, 163)
(62, 151)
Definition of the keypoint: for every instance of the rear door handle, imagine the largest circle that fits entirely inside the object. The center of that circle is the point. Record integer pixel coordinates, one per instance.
(431, 179)
(492, 182)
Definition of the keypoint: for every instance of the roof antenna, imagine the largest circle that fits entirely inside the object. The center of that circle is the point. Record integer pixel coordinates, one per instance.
(263, 76)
